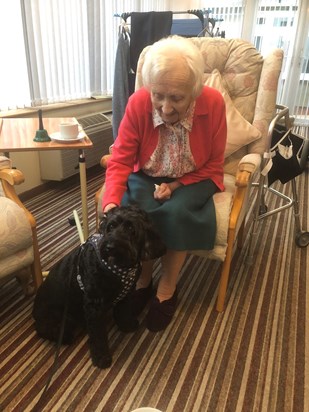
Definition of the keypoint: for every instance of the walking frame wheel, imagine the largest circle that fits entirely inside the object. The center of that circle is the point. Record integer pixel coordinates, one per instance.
(302, 239)
(263, 209)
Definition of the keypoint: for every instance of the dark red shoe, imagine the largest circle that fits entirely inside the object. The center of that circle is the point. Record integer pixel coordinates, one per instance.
(140, 298)
(161, 314)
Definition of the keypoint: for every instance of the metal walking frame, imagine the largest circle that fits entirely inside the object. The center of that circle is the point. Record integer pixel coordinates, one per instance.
(261, 210)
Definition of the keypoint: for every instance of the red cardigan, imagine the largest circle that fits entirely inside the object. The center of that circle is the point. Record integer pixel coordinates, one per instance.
(137, 140)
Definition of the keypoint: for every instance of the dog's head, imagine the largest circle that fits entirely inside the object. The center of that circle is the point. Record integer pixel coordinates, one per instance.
(129, 237)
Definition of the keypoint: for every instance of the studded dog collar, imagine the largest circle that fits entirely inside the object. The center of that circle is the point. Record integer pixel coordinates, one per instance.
(127, 276)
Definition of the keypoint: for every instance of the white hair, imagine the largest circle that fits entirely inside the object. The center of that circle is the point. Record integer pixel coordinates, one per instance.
(162, 56)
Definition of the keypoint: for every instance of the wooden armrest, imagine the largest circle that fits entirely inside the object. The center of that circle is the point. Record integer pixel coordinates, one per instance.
(12, 176)
(242, 178)
(9, 178)
(242, 185)
(104, 160)
(250, 162)
(237, 206)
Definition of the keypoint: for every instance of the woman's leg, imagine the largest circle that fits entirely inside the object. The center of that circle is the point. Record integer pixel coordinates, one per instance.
(172, 263)
(146, 275)
(143, 292)
(163, 306)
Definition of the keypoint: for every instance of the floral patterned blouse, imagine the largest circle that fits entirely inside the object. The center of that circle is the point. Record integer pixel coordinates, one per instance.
(172, 157)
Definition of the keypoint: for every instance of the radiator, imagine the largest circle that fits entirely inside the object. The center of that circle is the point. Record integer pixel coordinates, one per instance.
(60, 164)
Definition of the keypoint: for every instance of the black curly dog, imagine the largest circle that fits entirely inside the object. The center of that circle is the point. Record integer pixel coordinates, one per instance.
(98, 275)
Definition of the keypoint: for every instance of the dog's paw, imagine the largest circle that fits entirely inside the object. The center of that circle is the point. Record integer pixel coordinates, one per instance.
(124, 318)
(102, 362)
(127, 325)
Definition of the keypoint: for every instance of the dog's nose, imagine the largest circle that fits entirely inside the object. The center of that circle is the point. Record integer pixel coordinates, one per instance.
(107, 246)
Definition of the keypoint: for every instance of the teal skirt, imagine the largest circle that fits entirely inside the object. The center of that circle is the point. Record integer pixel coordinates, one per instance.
(187, 221)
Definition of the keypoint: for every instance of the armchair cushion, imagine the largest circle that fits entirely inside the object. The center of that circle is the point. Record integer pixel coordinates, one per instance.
(223, 203)
(5, 162)
(266, 98)
(239, 131)
(250, 163)
(16, 249)
(239, 64)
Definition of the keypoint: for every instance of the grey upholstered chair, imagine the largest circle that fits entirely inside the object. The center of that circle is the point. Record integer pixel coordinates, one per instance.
(19, 253)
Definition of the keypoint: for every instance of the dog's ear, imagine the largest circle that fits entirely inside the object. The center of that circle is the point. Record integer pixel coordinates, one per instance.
(154, 246)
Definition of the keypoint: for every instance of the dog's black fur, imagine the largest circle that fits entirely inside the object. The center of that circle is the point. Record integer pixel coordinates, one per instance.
(89, 287)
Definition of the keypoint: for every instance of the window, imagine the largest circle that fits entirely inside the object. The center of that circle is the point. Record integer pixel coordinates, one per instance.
(258, 42)
(261, 20)
(56, 50)
(280, 22)
(14, 83)
(228, 17)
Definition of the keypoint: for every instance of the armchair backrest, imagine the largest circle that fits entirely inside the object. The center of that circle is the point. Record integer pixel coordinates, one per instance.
(249, 86)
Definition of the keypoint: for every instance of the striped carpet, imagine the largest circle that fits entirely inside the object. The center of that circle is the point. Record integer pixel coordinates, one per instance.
(252, 357)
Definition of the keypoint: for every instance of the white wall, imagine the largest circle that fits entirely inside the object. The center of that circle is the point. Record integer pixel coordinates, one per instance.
(28, 163)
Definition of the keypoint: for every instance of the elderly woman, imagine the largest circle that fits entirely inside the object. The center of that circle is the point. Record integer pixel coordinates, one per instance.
(168, 158)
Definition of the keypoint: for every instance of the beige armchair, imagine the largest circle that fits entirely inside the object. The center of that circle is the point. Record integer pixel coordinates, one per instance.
(248, 83)
(19, 253)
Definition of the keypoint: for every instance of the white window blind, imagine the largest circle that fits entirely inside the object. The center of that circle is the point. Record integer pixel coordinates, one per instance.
(286, 26)
(276, 24)
(228, 15)
(58, 57)
(61, 50)
(14, 81)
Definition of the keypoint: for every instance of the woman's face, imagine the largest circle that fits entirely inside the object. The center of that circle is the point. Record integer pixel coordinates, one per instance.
(171, 94)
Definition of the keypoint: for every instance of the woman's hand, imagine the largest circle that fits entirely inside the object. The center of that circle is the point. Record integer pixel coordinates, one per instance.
(164, 190)
(109, 207)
